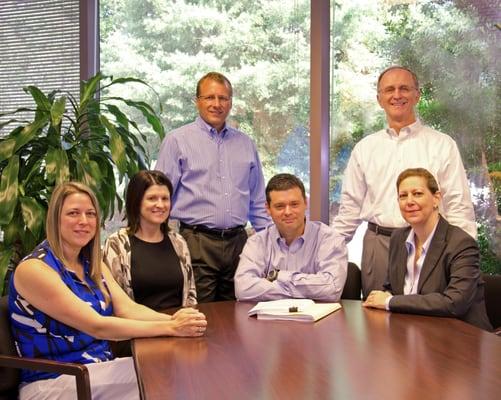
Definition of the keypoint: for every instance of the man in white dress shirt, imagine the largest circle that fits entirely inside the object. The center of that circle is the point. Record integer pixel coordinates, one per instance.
(376, 161)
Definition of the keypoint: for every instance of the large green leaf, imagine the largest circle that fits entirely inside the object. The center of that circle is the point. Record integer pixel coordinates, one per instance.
(33, 214)
(127, 80)
(31, 131)
(89, 89)
(8, 190)
(117, 146)
(7, 147)
(13, 231)
(41, 100)
(147, 112)
(19, 137)
(120, 116)
(57, 166)
(94, 170)
(57, 110)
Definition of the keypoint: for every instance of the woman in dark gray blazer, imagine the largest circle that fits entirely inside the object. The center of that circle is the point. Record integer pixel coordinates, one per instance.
(433, 265)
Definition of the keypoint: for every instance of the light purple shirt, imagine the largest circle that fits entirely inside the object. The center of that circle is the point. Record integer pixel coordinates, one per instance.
(314, 266)
(217, 177)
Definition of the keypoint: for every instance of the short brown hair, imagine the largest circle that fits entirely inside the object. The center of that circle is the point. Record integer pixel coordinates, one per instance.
(414, 76)
(215, 76)
(431, 182)
(135, 193)
(282, 182)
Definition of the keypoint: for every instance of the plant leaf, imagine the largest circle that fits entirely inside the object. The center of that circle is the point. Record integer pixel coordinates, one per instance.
(13, 231)
(30, 131)
(117, 146)
(147, 112)
(41, 100)
(129, 80)
(119, 115)
(20, 136)
(7, 147)
(8, 190)
(33, 214)
(57, 166)
(89, 89)
(57, 110)
(5, 256)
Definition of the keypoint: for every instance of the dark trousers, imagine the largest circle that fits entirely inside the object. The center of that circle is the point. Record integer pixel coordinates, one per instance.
(214, 262)
(374, 262)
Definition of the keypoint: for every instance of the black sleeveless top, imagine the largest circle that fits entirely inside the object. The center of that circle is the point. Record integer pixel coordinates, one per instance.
(157, 279)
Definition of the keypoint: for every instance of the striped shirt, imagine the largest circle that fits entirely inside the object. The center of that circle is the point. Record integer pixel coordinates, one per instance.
(217, 177)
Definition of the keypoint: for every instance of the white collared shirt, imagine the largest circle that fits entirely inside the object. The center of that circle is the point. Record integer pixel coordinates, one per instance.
(369, 184)
(414, 269)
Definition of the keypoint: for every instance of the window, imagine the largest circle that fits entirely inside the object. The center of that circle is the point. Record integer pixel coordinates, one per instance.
(453, 46)
(261, 46)
(39, 43)
(264, 47)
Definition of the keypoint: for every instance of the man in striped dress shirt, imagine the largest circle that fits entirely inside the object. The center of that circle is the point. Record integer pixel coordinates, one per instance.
(218, 187)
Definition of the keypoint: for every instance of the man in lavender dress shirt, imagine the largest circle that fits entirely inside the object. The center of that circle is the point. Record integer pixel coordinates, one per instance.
(293, 258)
(218, 187)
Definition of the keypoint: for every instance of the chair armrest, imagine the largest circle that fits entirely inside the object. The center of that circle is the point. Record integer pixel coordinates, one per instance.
(79, 371)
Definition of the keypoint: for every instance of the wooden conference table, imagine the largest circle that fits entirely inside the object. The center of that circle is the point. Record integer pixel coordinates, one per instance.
(355, 353)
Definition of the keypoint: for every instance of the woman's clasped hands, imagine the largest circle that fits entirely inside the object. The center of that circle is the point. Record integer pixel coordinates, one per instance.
(189, 322)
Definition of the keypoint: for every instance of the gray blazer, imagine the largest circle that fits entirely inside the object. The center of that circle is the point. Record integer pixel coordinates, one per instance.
(449, 284)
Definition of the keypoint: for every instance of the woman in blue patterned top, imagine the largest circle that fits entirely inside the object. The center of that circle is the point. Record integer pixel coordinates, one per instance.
(64, 305)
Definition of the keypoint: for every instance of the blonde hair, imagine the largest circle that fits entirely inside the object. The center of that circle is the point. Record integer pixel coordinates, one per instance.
(92, 250)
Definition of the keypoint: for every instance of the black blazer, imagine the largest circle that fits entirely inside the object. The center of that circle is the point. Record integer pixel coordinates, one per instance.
(449, 284)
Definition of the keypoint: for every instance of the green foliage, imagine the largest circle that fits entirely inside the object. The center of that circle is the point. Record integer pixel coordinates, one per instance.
(87, 139)
(489, 263)
(262, 46)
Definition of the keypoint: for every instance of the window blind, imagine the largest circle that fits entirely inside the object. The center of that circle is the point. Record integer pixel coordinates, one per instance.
(39, 45)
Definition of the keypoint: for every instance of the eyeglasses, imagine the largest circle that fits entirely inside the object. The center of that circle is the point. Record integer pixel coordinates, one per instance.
(389, 90)
(211, 98)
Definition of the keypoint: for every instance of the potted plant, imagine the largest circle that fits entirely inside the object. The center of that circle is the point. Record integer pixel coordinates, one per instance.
(89, 139)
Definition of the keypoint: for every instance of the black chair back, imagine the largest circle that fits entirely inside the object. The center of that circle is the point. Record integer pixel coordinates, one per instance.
(353, 286)
(9, 377)
(492, 290)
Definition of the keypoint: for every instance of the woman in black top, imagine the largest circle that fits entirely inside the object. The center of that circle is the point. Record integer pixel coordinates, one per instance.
(148, 260)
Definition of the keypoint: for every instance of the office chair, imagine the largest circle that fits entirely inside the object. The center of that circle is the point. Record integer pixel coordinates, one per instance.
(492, 290)
(353, 287)
(10, 363)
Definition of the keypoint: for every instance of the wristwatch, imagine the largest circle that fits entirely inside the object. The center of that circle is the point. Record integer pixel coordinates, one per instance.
(273, 274)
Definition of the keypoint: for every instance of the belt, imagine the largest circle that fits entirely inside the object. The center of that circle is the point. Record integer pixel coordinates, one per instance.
(220, 233)
(380, 230)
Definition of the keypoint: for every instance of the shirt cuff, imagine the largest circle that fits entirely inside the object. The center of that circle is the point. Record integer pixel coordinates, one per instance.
(387, 303)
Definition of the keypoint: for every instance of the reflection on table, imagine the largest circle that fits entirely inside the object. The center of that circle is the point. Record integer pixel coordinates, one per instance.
(355, 353)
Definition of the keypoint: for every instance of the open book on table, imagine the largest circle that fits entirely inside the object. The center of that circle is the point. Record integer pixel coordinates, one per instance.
(303, 310)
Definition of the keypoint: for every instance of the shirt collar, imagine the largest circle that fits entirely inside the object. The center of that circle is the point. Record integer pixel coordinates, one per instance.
(409, 242)
(297, 243)
(406, 131)
(211, 131)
